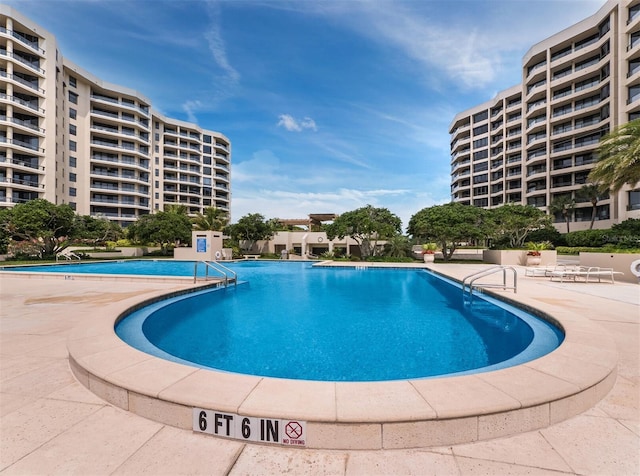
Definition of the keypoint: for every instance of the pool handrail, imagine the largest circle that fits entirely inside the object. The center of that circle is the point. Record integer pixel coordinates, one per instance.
(487, 272)
(226, 272)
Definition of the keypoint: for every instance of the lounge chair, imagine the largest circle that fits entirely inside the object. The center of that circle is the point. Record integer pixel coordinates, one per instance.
(588, 273)
(68, 255)
(545, 271)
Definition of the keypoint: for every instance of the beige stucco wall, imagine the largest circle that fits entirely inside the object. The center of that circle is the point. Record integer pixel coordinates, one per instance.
(517, 257)
(205, 245)
(617, 261)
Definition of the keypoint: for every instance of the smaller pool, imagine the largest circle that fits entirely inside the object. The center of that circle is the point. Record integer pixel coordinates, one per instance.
(148, 267)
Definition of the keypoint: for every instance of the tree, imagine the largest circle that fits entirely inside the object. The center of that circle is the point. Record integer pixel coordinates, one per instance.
(366, 226)
(515, 222)
(165, 228)
(618, 158)
(398, 246)
(98, 230)
(563, 205)
(449, 225)
(249, 229)
(41, 222)
(214, 219)
(592, 193)
(176, 209)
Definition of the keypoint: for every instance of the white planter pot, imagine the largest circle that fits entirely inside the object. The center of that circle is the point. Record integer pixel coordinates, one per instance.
(428, 258)
(534, 260)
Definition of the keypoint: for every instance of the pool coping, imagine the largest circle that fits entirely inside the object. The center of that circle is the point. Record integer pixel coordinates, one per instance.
(358, 415)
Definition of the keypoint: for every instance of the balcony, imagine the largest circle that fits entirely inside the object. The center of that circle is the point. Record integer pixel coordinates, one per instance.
(32, 65)
(24, 82)
(28, 124)
(17, 36)
(19, 143)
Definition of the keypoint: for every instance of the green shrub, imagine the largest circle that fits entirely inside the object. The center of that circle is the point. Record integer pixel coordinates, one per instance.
(576, 250)
(588, 238)
(548, 234)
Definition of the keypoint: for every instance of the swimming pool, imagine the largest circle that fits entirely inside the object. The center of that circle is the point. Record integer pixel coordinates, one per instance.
(296, 321)
(148, 267)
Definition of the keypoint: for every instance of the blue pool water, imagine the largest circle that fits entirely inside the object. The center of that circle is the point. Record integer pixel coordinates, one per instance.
(292, 320)
(165, 267)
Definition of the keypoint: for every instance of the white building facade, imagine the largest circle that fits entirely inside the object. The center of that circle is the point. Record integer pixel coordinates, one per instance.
(69, 137)
(538, 140)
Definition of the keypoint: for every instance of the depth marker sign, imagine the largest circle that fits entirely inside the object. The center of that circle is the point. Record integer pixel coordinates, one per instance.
(238, 427)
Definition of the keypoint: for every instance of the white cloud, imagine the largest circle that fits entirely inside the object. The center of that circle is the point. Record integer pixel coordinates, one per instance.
(472, 43)
(294, 125)
(217, 45)
(190, 107)
(269, 186)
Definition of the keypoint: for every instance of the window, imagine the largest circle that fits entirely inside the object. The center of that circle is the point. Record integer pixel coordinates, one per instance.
(72, 177)
(73, 162)
(634, 11)
(634, 200)
(480, 129)
(634, 94)
(206, 170)
(72, 82)
(481, 142)
(634, 40)
(586, 63)
(604, 27)
(482, 178)
(482, 166)
(72, 129)
(73, 146)
(72, 191)
(481, 154)
(561, 128)
(560, 53)
(72, 113)
(73, 98)
(586, 42)
(562, 72)
(587, 102)
(206, 149)
(562, 110)
(206, 139)
(481, 116)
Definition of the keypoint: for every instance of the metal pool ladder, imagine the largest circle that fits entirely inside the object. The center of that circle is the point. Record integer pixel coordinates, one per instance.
(228, 274)
(486, 272)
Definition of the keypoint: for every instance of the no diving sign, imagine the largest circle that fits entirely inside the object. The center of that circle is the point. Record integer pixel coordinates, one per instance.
(263, 430)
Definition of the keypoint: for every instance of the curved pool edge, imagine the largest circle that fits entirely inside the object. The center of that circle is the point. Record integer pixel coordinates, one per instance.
(358, 415)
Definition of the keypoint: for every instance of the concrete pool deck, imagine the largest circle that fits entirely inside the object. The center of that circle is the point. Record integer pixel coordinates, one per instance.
(52, 424)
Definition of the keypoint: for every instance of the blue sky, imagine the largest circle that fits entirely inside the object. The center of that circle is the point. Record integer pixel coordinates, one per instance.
(330, 105)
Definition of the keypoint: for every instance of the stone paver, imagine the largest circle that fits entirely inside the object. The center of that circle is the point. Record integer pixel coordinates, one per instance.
(50, 424)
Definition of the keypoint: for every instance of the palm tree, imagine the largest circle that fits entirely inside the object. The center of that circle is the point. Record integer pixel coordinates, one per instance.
(592, 193)
(213, 219)
(176, 209)
(564, 205)
(618, 158)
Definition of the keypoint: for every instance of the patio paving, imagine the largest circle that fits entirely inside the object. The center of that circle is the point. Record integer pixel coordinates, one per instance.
(51, 424)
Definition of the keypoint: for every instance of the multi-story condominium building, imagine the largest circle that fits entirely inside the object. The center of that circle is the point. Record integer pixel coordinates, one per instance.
(69, 137)
(536, 141)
